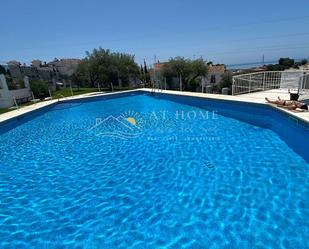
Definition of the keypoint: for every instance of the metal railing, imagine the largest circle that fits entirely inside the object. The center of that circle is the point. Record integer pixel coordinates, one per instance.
(304, 87)
(261, 81)
(156, 87)
(60, 96)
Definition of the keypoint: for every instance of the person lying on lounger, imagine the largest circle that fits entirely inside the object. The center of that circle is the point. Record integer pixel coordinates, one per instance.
(289, 104)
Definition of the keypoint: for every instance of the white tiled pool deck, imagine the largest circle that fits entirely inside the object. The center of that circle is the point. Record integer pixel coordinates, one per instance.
(258, 98)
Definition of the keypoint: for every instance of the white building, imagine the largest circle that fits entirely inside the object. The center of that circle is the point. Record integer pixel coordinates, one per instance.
(65, 66)
(215, 74)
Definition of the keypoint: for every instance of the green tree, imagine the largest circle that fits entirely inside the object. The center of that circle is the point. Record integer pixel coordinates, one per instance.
(227, 80)
(39, 88)
(187, 71)
(286, 62)
(283, 63)
(104, 67)
(146, 73)
(141, 72)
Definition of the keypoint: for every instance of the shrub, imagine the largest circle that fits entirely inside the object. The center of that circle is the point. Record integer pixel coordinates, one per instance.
(39, 88)
(226, 81)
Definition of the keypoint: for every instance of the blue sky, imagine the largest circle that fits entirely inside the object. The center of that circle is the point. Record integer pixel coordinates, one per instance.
(223, 31)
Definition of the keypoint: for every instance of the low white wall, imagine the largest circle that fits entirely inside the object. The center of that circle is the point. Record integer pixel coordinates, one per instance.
(7, 96)
(5, 101)
(20, 93)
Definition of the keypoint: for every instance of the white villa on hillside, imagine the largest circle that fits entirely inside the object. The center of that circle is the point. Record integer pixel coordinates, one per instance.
(51, 72)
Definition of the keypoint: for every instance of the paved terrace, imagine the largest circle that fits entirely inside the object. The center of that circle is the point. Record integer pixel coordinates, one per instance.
(258, 98)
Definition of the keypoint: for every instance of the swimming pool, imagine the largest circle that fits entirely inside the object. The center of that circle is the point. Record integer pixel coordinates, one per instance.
(163, 171)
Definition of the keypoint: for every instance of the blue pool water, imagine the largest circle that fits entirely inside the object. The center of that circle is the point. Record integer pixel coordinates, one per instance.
(153, 172)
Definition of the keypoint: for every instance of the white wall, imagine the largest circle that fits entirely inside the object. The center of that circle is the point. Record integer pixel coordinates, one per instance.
(218, 77)
(7, 96)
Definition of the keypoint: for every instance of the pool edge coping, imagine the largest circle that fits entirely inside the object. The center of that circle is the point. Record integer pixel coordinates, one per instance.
(236, 99)
(12, 115)
(6, 117)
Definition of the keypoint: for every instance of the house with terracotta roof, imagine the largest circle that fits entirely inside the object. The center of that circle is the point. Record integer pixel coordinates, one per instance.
(209, 83)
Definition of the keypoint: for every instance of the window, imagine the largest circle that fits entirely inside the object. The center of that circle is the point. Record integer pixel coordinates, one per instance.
(213, 78)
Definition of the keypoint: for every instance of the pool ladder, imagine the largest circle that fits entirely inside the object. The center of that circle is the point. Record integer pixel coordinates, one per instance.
(60, 95)
(156, 87)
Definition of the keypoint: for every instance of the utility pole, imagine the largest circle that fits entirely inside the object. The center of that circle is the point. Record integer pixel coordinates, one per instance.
(71, 89)
(154, 71)
(144, 73)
